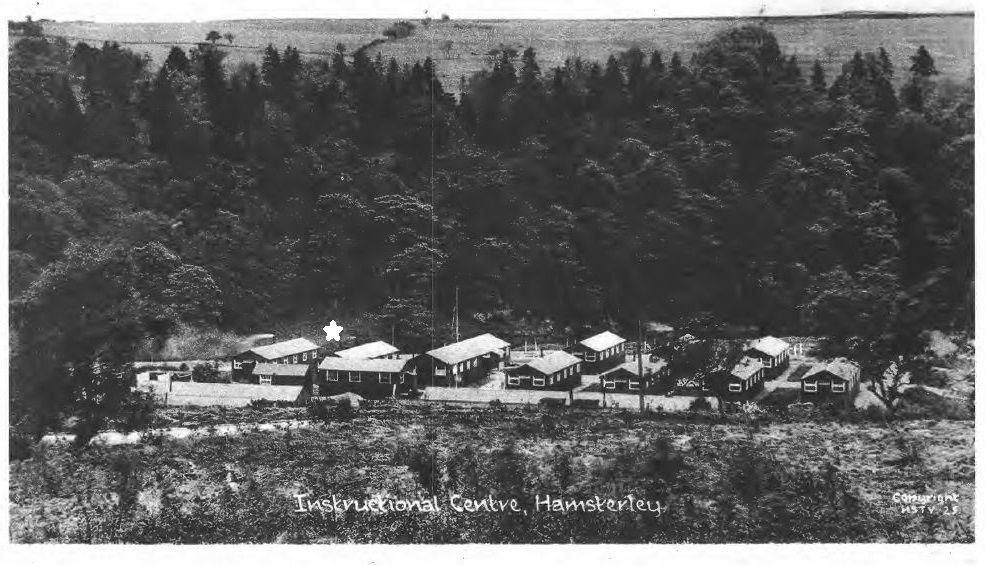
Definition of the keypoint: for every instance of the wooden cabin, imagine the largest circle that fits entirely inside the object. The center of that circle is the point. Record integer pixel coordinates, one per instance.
(375, 377)
(370, 351)
(462, 362)
(296, 351)
(836, 379)
(772, 352)
(626, 376)
(601, 352)
(281, 374)
(557, 370)
(746, 375)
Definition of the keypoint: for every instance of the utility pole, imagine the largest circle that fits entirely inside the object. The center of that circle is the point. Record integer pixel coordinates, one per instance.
(456, 313)
(639, 359)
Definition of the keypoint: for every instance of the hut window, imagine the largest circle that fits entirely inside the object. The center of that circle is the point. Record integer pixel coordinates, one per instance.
(265, 380)
(355, 377)
(332, 375)
(384, 378)
(837, 387)
(735, 387)
(237, 364)
(633, 384)
(810, 386)
(513, 380)
(609, 384)
(589, 356)
(538, 381)
(304, 357)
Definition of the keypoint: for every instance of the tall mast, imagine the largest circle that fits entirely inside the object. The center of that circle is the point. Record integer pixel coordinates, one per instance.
(639, 359)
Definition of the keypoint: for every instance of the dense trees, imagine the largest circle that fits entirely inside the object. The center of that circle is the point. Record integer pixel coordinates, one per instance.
(641, 186)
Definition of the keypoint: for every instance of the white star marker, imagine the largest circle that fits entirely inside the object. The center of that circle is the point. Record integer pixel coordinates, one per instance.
(332, 332)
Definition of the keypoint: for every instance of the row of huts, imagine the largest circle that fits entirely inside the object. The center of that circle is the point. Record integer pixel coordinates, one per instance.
(381, 368)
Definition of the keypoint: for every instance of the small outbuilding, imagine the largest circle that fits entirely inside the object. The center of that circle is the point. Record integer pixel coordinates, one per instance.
(281, 374)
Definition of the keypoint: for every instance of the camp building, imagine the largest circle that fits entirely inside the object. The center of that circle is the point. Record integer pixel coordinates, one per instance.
(601, 352)
(626, 376)
(376, 377)
(837, 378)
(281, 374)
(746, 375)
(557, 370)
(296, 351)
(462, 362)
(772, 352)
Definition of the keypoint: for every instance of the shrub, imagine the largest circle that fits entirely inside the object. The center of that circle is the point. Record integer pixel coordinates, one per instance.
(700, 404)
(318, 411)
(136, 411)
(400, 30)
(208, 373)
(585, 403)
(20, 446)
(551, 402)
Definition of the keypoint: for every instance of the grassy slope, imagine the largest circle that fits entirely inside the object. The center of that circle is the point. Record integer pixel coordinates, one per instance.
(832, 41)
(737, 483)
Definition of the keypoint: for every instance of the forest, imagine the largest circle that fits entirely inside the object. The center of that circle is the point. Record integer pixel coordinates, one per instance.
(732, 185)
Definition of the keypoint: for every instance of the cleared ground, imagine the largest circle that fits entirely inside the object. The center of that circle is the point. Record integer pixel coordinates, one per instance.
(831, 41)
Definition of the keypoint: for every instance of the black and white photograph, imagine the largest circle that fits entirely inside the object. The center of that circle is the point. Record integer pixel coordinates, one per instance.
(472, 273)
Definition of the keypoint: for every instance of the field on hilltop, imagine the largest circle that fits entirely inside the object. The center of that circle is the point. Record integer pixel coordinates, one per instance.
(830, 40)
(721, 481)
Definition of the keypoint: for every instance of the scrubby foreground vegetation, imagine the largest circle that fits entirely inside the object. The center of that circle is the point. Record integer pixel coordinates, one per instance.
(722, 481)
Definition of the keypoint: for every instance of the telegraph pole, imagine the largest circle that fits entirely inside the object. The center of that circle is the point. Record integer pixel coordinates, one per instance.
(456, 313)
(639, 359)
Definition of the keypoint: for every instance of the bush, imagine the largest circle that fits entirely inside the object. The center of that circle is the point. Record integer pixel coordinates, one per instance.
(918, 403)
(318, 411)
(136, 411)
(585, 403)
(400, 30)
(700, 404)
(551, 402)
(20, 446)
(207, 373)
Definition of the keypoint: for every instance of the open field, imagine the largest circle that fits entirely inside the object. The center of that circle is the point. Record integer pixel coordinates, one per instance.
(721, 481)
(830, 40)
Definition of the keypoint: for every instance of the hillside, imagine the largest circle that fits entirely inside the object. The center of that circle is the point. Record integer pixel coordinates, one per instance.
(832, 41)
(720, 481)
